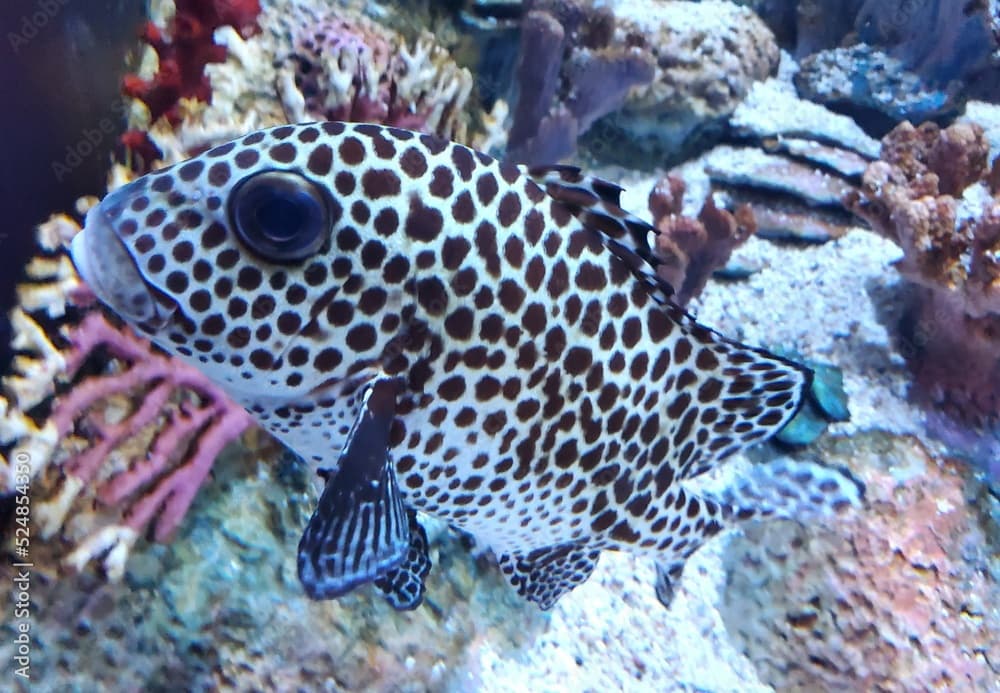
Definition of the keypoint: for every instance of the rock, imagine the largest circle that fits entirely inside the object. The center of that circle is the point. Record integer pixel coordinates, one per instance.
(777, 220)
(221, 608)
(756, 169)
(773, 110)
(872, 87)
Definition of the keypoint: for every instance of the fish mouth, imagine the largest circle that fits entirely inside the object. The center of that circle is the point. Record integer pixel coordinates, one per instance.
(104, 262)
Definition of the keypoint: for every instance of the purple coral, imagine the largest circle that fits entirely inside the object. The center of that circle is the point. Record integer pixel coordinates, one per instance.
(186, 445)
(355, 70)
(568, 76)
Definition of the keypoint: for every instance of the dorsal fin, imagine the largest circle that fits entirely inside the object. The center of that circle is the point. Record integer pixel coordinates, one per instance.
(597, 204)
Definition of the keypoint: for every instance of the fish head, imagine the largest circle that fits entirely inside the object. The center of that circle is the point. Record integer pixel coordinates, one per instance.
(237, 261)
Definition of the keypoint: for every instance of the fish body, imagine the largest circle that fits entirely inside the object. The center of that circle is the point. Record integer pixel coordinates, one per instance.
(436, 330)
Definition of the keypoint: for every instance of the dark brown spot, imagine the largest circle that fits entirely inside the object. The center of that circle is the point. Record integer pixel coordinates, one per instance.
(454, 251)
(486, 244)
(511, 295)
(461, 157)
(459, 324)
(423, 223)
(442, 182)
(413, 162)
(327, 360)
(486, 188)
(320, 160)
(352, 152)
(463, 210)
(510, 209)
(247, 158)
(190, 170)
(219, 174)
(386, 222)
(283, 153)
(380, 183)
(249, 278)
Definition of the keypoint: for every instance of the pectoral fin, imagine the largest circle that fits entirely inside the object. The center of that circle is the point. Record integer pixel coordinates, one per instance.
(360, 529)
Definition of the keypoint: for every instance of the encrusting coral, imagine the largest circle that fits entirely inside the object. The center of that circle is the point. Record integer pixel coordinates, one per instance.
(689, 250)
(900, 597)
(934, 194)
(309, 62)
(138, 436)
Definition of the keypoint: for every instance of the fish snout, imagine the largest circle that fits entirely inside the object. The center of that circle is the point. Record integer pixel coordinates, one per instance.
(103, 260)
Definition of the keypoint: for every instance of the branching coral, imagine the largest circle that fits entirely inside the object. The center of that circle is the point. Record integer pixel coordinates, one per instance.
(931, 194)
(183, 50)
(691, 249)
(139, 436)
(343, 68)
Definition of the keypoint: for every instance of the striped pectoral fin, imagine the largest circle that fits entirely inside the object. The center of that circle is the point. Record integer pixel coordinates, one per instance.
(544, 575)
(403, 585)
(359, 530)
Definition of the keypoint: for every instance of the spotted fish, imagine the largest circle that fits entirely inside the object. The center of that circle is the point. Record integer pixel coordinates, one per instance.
(438, 331)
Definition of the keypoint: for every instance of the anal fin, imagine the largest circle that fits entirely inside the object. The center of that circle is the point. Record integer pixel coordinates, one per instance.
(359, 529)
(544, 575)
(403, 586)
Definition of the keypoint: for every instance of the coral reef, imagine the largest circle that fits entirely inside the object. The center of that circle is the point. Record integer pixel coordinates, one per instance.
(934, 195)
(183, 49)
(791, 162)
(689, 250)
(311, 62)
(139, 435)
(902, 596)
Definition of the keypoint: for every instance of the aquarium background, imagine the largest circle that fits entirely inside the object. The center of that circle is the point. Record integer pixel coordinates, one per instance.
(823, 176)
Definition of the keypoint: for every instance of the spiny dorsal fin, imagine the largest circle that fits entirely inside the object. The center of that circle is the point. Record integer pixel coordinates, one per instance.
(597, 204)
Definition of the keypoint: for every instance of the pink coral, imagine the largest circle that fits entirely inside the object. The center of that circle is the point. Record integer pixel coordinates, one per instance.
(196, 430)
(184, 50)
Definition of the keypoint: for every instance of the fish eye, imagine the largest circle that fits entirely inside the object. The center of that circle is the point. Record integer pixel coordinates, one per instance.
(280, 215)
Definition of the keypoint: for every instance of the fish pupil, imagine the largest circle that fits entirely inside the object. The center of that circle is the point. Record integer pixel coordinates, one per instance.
(280, 219)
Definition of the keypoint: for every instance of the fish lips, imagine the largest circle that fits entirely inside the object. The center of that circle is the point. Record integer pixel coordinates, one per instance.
(103, 260)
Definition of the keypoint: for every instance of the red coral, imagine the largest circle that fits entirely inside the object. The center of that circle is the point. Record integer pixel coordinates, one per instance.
(200, 421)
(184, 51)
(691, 249)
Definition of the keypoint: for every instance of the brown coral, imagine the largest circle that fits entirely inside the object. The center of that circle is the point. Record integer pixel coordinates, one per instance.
(691, 249)
(934, 195)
